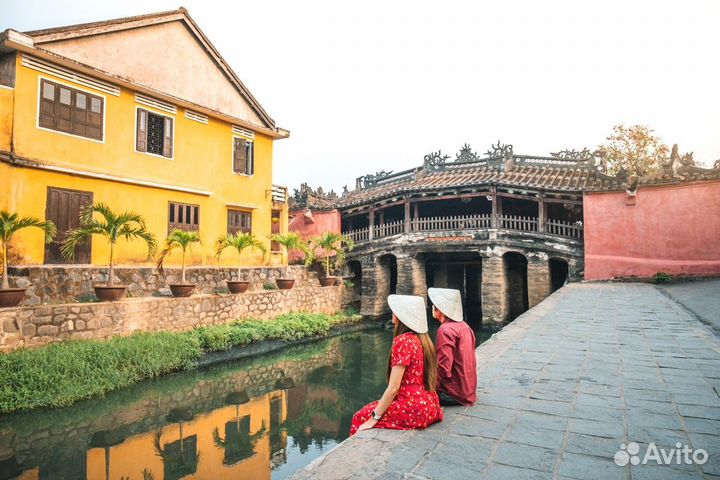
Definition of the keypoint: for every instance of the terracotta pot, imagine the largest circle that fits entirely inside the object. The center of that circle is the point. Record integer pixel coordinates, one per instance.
(285, 283)
(106, 293)
(182, 289)
(239, 286)
(328, 281)
(11, 297)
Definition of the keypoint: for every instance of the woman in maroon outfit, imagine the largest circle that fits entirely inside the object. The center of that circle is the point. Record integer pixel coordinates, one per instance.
(410, 400)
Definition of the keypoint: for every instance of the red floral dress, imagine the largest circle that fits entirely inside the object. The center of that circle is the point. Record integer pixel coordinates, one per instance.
(413, 407)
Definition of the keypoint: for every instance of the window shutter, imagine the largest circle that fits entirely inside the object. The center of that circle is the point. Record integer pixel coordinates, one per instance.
(168, 137)
(240, 156)
(250, 158)
(142, 130)
(47, 105)
(94, 117)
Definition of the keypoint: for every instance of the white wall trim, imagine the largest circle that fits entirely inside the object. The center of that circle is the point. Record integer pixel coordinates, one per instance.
(158, 104)
(60, 72)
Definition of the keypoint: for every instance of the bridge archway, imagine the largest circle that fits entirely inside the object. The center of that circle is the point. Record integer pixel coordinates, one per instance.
(353, 272)
(559, 270)
(461, 271)
(386, 276)
(516, 282)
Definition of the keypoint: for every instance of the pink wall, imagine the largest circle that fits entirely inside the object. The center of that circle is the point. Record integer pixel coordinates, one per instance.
(322, 221)
(673, 229)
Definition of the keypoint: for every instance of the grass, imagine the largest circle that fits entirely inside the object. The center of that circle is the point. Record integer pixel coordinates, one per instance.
(63, 373)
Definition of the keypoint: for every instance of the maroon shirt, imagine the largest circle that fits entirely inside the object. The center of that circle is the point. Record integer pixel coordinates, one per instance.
(457, 368)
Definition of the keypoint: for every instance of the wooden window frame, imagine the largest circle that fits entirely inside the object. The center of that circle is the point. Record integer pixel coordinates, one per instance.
(137, 137)
(173, 224)
(249, 156)
(232, 230)
(74, 90)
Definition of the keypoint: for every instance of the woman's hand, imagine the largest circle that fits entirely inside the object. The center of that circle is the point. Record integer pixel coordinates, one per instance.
(370, 423)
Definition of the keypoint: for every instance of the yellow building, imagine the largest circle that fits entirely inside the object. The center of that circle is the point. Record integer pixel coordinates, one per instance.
(140, 113)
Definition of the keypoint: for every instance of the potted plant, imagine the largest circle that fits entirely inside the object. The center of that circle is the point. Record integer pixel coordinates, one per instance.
(238, 242)
(292, 242)
(182, 240)
(330, 242)
(9, 224)
(112, 226)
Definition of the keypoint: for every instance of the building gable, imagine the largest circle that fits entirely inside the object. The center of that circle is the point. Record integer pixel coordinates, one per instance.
(168, 54)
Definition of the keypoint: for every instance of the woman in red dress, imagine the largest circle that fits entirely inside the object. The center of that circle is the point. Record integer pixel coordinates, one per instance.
(410, 400)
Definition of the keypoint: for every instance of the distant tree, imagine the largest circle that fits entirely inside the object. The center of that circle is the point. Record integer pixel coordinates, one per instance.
(633, 150)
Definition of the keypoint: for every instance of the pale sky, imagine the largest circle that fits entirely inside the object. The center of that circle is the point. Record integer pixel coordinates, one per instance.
(375, 85)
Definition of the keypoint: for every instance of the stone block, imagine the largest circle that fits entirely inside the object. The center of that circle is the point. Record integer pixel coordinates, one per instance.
(49, 330)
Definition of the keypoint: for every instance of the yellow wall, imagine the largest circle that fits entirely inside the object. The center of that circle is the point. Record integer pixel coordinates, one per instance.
(136, 453)
(202, 161)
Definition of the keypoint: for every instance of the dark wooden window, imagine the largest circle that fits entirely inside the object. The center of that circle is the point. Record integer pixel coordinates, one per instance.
(183, 217)
(154, 133)
(239, 221)
(243, 156)
(69, 110)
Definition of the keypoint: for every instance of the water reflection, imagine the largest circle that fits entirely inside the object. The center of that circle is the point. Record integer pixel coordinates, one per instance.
(257, 419)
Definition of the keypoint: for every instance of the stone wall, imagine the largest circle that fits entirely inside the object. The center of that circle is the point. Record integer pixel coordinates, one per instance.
(43, 324)
(49, 284)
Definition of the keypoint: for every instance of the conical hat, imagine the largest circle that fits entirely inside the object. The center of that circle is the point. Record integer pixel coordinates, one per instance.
(410, 310)
(448, 301)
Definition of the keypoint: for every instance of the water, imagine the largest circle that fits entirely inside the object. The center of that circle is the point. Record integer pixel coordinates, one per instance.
(261, 418)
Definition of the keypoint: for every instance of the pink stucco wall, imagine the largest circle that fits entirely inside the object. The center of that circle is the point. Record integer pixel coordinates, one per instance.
(671, 229)
(322, 221)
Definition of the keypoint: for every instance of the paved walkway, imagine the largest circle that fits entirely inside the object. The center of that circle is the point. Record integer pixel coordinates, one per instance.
(701, 297)
(560, 389)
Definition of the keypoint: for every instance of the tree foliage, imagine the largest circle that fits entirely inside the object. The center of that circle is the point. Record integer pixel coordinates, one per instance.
(11, 223)
(633, 150)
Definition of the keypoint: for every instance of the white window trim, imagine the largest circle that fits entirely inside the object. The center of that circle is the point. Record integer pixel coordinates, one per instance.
(162, 114)
(90, 92)
(232, 156)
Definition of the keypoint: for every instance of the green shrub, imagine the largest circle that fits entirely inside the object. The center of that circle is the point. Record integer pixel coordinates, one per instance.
(62, 373)
(269, 286)
(661, 277)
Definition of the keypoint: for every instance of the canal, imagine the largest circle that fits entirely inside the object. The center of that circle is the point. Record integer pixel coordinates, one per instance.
(260, 418)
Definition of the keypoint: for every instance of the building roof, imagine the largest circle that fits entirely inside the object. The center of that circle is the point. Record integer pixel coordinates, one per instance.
(39, 38)
(566, 172)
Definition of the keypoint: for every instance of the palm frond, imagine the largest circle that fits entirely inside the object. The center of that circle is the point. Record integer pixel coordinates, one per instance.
(74, 237)
(239, 242)
(177, 239)
(12, 222)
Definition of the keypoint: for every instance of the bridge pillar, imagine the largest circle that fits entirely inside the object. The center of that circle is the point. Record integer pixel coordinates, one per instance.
(494, 291)
(370, 304)
(411, 275)
(538, 278)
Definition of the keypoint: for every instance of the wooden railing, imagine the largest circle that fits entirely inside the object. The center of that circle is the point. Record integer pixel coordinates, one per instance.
(516, 222)
(359, 235)
(462, 222)
(389, 229)
(468, 222)
(563, 229)
(279, 194)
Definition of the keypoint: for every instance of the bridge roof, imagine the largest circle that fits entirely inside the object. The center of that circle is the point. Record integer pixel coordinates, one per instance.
(564, 172)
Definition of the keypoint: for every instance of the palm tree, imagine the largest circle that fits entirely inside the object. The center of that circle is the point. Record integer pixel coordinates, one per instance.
(178, 239)
(291, 241)
(330, 242)
(238, 241)
(11, 223)
(112, 226)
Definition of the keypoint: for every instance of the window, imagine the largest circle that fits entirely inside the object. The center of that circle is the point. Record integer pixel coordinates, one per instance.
(154, 133)
(183, 217)
(239, 221)
(65, 109)
(243, 156)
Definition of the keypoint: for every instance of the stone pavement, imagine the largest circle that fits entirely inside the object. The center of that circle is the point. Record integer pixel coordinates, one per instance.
(593, 367)
(701, 297)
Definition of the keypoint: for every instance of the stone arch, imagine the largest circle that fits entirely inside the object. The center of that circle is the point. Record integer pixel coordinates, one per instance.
(559, 272)
(386, 276)
(516, 281)
(353, 273)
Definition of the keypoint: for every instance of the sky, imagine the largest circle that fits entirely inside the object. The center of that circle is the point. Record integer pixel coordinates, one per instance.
(376, 85)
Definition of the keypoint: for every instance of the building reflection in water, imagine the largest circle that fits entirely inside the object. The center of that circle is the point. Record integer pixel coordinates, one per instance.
(257, 419)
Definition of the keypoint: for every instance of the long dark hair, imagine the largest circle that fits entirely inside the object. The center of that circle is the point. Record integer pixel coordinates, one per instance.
(428, 355)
